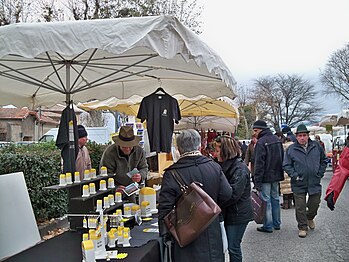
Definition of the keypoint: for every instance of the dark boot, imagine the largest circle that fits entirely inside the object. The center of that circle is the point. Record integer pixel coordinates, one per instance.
(290, 200)
(285, 202)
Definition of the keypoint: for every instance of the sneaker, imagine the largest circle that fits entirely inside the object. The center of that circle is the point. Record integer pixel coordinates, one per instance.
(302, 233)
(277, 228)
(311, 224)
(262, 229)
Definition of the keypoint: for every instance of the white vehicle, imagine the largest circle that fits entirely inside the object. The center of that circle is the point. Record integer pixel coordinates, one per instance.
(339, 141)
(99, 135)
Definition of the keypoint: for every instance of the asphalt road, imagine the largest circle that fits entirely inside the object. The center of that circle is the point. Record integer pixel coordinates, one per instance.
(328, 242)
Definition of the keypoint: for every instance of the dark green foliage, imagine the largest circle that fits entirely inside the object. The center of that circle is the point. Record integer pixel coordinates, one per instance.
(40, 164)
(96, 151)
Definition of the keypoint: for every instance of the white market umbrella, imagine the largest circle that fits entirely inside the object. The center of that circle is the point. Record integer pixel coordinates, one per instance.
(208, 122)
(330, 119)
(343, 118)
(48, 63)
(196, 106)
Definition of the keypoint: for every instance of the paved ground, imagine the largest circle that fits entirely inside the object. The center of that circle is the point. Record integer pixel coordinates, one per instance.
(328, 242)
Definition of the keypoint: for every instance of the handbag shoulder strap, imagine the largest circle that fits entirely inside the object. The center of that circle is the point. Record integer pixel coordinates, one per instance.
(179, 179)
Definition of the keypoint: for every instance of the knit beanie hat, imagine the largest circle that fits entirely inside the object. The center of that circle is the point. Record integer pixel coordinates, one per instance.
(260, 124)
(81, 131)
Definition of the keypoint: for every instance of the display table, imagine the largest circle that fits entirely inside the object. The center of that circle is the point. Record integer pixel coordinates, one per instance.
(67, 247)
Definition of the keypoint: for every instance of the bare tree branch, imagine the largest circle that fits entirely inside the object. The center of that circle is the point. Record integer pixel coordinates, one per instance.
(335, 77)
(285, 99)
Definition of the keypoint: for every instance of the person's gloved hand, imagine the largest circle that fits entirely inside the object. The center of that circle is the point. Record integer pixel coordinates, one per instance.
(330, 202)
(257, 188)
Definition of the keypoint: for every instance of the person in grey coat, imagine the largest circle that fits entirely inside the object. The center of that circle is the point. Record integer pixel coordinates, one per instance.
(305, 162)
(124, 156)
(192, 166)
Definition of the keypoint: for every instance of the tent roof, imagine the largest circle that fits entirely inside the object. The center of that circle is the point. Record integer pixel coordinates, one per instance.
(196, 106)
(96, 59)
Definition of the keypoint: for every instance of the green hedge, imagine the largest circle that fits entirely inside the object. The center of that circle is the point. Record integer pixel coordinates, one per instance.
(40, 164)
(96, 151)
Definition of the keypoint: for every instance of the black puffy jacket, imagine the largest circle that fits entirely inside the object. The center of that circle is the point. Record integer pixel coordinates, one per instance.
(238, 209)
(269, 154)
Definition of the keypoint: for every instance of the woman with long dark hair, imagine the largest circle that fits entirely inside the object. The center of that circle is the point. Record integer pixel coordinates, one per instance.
(238, 210)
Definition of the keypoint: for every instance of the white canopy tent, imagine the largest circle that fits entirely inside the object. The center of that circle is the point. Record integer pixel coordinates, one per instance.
(343, 118)
(330, 119)
(48, 63)
(199, 112)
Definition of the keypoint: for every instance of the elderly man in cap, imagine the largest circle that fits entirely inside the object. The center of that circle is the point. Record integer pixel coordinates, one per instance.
(124, 156)
(268, 172)
(83, 160)
(305, 162)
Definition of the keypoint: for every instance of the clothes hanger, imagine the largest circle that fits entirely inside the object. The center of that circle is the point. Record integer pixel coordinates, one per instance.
(159, 91)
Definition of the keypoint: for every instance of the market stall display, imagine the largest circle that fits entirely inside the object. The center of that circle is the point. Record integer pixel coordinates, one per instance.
(103, 58)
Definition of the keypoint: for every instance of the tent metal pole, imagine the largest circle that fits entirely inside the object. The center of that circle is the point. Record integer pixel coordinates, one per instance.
(67, 82)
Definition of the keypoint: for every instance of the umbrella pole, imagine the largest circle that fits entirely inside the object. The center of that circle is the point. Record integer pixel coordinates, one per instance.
(71, 151)
(67, 83)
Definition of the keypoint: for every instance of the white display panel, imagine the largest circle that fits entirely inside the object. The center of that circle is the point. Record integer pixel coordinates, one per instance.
(18, 228)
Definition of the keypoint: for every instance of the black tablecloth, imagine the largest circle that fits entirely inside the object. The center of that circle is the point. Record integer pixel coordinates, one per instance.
(67, 247)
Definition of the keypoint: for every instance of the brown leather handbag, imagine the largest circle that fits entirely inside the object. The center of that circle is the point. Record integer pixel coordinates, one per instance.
(194, 211)
(258, 206)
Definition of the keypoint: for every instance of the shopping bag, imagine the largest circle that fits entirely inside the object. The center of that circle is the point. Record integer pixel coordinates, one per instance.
(193, 213)
(224, 237)
(258, 206)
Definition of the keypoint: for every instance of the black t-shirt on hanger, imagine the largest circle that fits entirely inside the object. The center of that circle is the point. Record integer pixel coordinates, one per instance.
(159, 110)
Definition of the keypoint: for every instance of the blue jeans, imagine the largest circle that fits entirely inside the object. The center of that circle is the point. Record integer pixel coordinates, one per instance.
(234, 235)
(270, 194)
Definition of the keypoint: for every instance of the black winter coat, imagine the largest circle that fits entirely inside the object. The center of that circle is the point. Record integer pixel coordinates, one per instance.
(208, 246)
(309, 166)
(268, 155)
(239, 207)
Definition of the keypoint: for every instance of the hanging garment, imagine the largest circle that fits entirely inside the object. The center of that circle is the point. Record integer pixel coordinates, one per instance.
(159, 110)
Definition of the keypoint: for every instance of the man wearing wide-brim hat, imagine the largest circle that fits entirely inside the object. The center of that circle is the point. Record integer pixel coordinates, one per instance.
(124, 156)
(305, 162)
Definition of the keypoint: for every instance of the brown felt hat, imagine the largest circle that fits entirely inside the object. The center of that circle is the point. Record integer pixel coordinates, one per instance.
(126, 137)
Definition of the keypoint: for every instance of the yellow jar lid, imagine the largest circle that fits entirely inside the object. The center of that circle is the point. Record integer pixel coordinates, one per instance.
(68, 174)
(147, 191)
(87, 245)
(85, 186)
(103, 168)
(102, 182)
(145, 203)
(111, 234)
(76, 173)
(135, 207)
(62, 176)
(87, 171)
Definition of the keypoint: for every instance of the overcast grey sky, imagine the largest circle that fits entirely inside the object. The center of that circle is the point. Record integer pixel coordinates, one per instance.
(265, 37)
